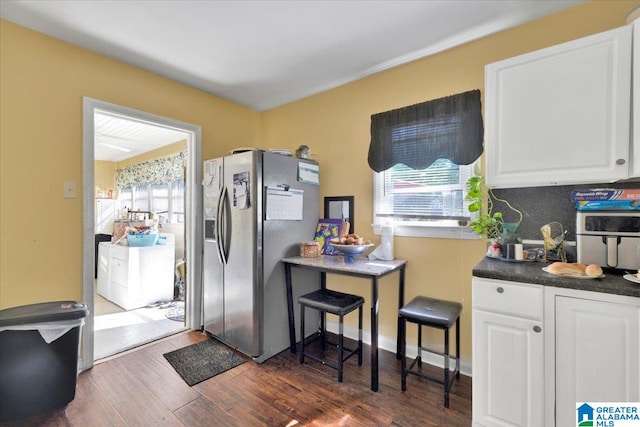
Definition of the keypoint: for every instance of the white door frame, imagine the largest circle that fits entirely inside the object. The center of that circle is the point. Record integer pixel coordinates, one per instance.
(193, 215)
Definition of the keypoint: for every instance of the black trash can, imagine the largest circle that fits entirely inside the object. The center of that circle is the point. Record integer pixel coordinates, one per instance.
(39, 357)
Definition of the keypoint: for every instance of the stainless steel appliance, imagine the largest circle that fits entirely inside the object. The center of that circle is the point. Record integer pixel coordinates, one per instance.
(609, 239)
(259, 206)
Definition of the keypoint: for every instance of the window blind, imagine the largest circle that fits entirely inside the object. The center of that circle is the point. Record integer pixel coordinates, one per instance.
(432, 194)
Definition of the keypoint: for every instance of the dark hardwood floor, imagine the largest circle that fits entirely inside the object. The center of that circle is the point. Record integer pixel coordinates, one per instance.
(140, 388)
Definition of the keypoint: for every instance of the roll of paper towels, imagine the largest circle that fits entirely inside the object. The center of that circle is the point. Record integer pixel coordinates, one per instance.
(385, 250)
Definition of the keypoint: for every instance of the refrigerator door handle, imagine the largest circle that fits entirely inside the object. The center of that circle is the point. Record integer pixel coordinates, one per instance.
(219, 225)
(226, 226)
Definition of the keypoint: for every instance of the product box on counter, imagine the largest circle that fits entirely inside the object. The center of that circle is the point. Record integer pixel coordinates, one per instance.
(310, 249)
(605, 194)
(327, 229)
(608, 205)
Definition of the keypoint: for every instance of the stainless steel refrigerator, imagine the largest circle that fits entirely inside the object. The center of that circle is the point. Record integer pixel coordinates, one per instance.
(259, 206)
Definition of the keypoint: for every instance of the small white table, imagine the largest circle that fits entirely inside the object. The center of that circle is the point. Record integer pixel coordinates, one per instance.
(358, 267)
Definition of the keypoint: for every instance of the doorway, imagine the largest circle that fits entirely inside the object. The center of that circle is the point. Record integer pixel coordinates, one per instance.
(111, 318)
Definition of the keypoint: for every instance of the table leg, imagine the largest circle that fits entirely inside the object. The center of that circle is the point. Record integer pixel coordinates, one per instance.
(400, 305)
(323, 316)
(374, 334)
(292, 324)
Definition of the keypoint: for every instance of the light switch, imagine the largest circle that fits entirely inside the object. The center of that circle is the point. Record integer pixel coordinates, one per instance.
(69, 190)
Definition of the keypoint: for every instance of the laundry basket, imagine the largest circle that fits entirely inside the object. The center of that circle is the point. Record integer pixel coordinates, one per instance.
(39, 357)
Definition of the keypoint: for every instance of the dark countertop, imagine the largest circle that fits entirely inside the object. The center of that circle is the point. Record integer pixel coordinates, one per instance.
(531, 272)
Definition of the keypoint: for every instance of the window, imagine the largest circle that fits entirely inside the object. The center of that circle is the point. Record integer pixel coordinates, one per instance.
(160, 201)
(141, 197)
(166, 200)
(125, 197)
(422, 156)
(428, 202)
(177, 201)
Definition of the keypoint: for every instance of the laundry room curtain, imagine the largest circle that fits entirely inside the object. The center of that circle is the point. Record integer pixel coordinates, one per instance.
(418, 135)
(158, 171)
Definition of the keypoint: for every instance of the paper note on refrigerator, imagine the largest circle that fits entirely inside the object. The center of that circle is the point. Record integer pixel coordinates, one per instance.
(241, 190)
(308, 173)
(284, 204)
(211, 177)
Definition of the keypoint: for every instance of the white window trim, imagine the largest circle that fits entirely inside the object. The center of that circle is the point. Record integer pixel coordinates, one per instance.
(431, 231)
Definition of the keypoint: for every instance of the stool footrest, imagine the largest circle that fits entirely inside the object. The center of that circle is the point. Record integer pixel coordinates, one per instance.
(348, 354)
(453, 373)
(319, 335)
(309, 340)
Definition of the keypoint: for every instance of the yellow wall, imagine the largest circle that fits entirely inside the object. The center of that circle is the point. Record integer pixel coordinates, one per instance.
(335, 124)
(43, 80)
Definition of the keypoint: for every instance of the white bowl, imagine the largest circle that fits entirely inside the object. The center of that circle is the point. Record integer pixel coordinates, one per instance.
(351, 249)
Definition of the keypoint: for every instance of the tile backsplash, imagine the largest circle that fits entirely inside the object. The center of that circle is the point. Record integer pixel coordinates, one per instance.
(542, 205)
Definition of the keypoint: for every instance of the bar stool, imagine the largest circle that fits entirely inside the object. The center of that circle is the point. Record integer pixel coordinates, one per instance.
(340, 304)
(433, 313)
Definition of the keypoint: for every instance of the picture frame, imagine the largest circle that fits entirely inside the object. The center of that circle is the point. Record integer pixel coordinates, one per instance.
(341, 207)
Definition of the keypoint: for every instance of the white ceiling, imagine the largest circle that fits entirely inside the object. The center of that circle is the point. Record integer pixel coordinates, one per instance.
(118, 138)
(263, 54)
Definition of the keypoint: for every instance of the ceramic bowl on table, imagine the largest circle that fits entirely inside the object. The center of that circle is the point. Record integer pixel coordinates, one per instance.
(351, 250)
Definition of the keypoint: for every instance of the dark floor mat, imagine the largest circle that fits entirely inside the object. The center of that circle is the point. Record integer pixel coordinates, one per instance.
(204, 360)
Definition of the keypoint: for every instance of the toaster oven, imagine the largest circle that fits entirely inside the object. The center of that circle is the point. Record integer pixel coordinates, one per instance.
(609, 239)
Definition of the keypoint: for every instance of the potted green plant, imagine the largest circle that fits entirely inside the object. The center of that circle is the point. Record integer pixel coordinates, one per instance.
(489, 224)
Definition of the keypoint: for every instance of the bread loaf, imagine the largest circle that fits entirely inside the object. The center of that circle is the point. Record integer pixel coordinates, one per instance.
(593, 270)
(567, 269)
(574, 269)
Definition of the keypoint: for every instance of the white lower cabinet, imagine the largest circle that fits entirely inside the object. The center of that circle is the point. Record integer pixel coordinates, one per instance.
(597, 344)
(508, 354)
(133, 277)
(537, 351)
(103, 278)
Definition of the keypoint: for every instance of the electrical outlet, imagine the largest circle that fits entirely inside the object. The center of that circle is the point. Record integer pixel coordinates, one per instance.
(69, 190)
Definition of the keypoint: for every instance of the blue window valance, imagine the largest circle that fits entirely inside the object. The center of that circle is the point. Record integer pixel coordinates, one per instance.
(158, 171)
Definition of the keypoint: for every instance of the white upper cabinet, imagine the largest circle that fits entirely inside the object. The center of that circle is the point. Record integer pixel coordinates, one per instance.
(561, 115)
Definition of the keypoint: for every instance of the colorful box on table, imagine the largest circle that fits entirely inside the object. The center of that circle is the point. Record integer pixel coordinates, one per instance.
(327, 229)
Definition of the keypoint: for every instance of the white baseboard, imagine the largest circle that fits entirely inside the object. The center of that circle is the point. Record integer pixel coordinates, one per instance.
(389, 344)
